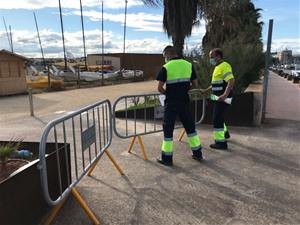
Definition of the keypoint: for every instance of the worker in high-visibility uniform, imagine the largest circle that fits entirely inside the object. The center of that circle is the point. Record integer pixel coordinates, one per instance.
(179, 77)
(221, 85)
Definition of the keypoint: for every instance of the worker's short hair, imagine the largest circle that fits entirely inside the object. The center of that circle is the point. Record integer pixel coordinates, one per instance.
(170, 49)
(218, 52)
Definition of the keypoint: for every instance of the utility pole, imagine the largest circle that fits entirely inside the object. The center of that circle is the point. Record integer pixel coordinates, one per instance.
(266, 71)
(83, 36)
(62, 35)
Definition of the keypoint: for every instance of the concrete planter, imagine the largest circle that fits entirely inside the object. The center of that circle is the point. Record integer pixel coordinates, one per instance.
(244, 111)
(21, 195)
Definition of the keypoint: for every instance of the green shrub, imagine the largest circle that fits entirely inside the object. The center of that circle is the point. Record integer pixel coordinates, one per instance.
(7, 149)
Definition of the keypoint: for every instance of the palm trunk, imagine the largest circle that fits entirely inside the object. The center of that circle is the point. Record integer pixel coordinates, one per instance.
(178, 43)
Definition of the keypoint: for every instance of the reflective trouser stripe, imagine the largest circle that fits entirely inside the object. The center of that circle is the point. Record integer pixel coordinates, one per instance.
(225, 128)
(167, 146)
(219, 135)
(194, 142)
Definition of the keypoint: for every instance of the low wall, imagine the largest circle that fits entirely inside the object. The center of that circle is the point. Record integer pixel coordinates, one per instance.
(246, 109)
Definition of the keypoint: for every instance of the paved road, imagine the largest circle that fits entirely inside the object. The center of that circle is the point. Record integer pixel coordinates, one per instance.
(14, 110)
(283, 99)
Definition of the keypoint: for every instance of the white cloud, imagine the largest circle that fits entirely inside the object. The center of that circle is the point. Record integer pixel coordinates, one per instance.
(199, 30)
(38, 4)
(289, 43)
(26, 43)
(140, 21)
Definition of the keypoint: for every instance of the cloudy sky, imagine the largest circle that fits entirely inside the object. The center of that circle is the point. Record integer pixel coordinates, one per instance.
(144, 26)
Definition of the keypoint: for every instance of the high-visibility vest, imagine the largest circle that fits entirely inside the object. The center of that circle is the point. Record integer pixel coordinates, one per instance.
(222, 73)
(178, 71)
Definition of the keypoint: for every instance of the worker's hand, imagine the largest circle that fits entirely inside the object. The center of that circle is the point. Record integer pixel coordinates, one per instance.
(221, 98)
(204, 92)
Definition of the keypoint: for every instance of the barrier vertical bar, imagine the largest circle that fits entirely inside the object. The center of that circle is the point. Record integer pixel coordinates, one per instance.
(82, 150)
(57, 160)
(66, 153)
(74, 146)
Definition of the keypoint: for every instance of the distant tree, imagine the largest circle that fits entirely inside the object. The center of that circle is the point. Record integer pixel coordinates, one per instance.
(232, 25)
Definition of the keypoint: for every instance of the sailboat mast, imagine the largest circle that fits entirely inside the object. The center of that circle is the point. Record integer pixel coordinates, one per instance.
(38, 33)
(83, 36)
(125, 26)
(7, 34)
(62, 35)
(11, 41)
(102, 28)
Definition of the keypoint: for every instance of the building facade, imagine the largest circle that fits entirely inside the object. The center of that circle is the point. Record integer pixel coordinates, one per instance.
(150, 64)
(285, 57)
(12, 73)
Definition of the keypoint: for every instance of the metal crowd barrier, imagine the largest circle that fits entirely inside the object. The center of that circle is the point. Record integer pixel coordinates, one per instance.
(79, 139)
(137, 115)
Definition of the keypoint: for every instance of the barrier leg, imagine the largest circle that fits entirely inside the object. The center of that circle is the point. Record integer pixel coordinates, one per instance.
(111, 159)
(84, 206)
(181, 135)
(114, 162)
(142, 147)
(92, 168)
(54, 212)
(131, 144)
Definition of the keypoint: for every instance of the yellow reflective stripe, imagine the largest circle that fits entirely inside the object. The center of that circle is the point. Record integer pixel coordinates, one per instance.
(229, 77)
(217, 82)
(217, 88)
(225, 128)
(194, 141)
(178, 80)
(219, 135)
(167, 146)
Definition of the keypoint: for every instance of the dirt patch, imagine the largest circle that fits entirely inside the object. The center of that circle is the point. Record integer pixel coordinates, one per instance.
(11, 166)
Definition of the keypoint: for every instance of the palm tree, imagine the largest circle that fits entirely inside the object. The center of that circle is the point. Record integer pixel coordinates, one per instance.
(179, 18)
(227, 20)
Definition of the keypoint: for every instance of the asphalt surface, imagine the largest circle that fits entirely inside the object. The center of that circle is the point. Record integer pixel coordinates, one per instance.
(283, 98)
(255, 181)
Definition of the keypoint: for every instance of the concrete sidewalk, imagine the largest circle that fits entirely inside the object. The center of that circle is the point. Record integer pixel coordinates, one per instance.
(255, 182)
(283, 98)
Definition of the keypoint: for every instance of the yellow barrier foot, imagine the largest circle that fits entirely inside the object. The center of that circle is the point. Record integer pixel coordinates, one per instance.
(111, 159)
(84, 206)
(93, 167)
(142, 147)
(54, 211)
(181, 135)
(131, 144)
(114, 162)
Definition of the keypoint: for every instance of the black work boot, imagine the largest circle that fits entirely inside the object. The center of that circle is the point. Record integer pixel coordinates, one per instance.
(197, 155)
(166, 160)
(227, 135)
(219, 145)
